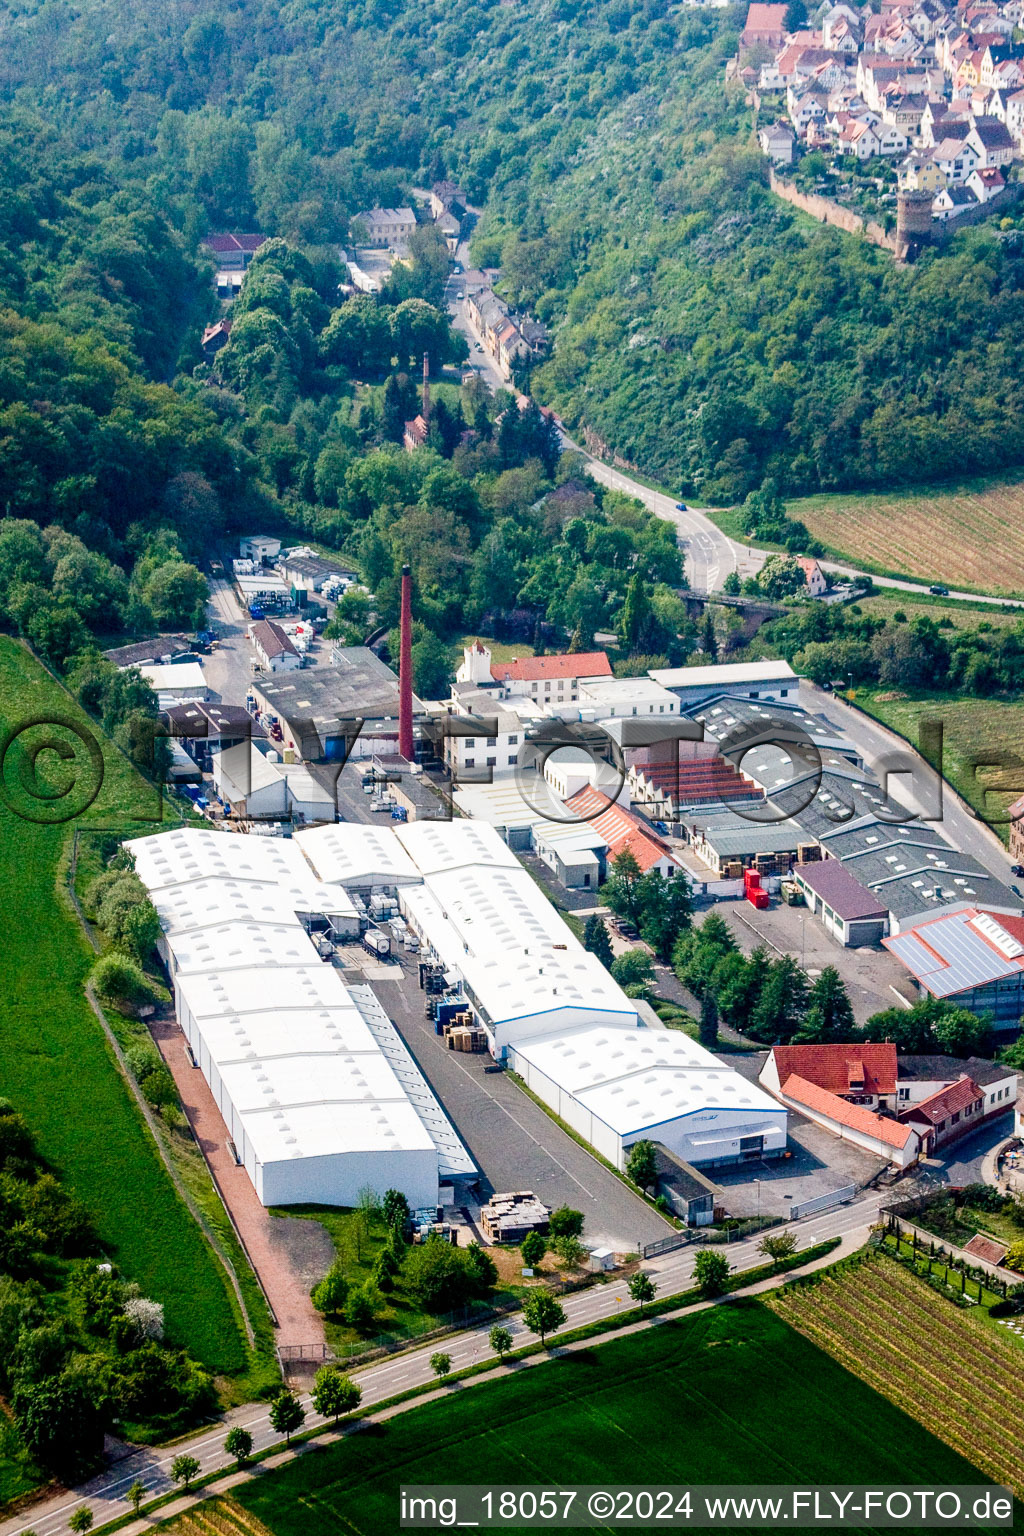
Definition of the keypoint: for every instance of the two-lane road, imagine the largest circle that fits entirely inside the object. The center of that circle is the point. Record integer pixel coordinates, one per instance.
(711, 555)
(106, 1494)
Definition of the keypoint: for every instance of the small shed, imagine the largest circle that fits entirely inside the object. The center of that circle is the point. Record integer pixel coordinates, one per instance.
(600, 1259)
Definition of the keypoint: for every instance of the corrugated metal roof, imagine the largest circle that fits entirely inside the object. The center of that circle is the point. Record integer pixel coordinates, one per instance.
(951, 954)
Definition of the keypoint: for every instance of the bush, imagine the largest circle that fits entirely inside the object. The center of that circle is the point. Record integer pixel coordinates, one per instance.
(565, 1222)
(533, 1248)
(119, 981)
(331, 1294)
(362, 1307)
(443, 1277)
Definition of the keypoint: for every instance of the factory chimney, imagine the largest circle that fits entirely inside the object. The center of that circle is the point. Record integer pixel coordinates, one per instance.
(405, 742)
(426, 390)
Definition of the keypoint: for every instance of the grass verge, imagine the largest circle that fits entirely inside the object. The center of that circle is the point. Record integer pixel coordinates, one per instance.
(55, 1062)
(981, 742)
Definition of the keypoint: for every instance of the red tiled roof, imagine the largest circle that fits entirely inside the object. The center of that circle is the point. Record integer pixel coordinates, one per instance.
(620, 829)
(829, 1066)
(223, 243)
(986, 1248)
(765, 18)
(854, 1116)
(939, 1106)
(529, 669)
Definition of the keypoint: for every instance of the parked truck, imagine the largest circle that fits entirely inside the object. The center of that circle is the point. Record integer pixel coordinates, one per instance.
(377, 943)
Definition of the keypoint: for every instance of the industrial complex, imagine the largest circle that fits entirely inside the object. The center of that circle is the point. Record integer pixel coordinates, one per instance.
(306, 1081)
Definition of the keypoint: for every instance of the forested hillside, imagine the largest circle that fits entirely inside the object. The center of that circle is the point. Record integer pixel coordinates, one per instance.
(708, 333)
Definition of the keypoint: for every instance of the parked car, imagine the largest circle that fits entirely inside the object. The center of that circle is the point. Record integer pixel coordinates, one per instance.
(460, 295)
(1017, 869)
(938, 590)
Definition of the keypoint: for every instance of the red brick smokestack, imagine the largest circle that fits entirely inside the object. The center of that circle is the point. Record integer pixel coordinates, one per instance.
(405, 743)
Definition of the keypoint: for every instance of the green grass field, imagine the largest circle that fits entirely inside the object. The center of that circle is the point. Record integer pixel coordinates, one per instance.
(55, 1064)
(915, 605)
(732, 1395)
(975, 732)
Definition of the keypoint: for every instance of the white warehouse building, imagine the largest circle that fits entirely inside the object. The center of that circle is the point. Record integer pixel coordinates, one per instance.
(523, 970)
(616, 1088)
(317, 1090)
(319, 1095)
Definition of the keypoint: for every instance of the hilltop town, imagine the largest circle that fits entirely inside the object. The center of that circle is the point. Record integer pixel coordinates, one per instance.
(920, 96)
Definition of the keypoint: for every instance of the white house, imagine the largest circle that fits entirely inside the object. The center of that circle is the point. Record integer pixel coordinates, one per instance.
(273, 647)
(891, 139)
(817, 581)
(956, 159)
(859, 139)
(777, 143)
(991, 140)
(986, 182)
(259, 547)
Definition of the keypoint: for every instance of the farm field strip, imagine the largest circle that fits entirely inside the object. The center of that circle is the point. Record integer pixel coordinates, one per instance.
(946, 536)
(939, 1364)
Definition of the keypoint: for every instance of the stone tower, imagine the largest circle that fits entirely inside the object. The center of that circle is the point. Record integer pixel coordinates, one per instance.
(914, 223)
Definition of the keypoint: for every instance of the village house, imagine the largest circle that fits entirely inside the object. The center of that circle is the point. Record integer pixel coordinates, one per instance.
(956, 159)
(817, 581)
(765, 27)
(858, 138)
(919, 173)
(389, 228)
(986, 182)
(214, 337)
(953, 201)
(777, 143)
(991, 141)
(939, 88)
(447, 197)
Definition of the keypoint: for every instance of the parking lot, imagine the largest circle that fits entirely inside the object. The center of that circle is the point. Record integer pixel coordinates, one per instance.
(818, 1163)
(228, 669)
(514, 1143)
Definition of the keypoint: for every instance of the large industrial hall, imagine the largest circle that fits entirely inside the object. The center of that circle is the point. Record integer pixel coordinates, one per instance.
(318, 1093)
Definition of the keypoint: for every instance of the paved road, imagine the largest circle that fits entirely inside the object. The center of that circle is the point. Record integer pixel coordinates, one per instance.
(957, 822)
(503, 1130)
(963, 1163)
(106, 1494)
(481, 360)
(710, 554)
(849, 572)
